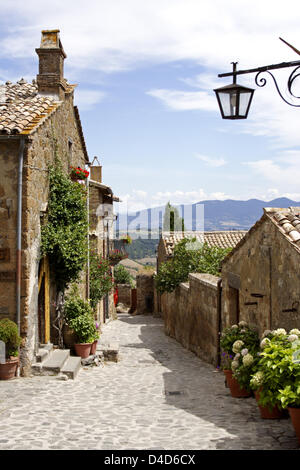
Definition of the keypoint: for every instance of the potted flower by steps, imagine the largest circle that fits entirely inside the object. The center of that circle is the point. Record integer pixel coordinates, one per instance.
(10, 337)
(269, 406)
(85, 330)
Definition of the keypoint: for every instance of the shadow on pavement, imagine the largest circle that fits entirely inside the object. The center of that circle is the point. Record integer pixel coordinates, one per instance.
(197, 388)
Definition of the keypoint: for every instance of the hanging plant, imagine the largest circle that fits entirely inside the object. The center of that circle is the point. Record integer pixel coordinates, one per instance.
(78, 173)
(115, 256)
(64, 236)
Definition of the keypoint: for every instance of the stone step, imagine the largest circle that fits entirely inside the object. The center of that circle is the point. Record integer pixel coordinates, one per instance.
(53, 364)
(71, 367)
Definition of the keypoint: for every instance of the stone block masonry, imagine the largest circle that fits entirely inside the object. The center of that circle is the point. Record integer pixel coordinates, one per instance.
(191, 315)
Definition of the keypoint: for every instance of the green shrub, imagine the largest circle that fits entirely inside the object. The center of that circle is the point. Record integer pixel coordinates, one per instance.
(189, 256)
(278, 372)
(101, 281)
(84, 328)
(121, 275)
(75, 307)
(10, 336)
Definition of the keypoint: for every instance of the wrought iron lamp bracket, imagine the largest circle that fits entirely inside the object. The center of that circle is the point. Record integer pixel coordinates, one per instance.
(261, 81)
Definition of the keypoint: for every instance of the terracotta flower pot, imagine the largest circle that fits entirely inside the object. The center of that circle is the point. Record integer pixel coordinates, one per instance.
(69, 337)
(94, 347)
(267, 413)
(295, 417)
(234, 387)
(83, 349)
(9, 369)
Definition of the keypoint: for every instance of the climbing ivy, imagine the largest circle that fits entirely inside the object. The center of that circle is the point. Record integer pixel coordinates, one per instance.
(101, 280)
(64, 235)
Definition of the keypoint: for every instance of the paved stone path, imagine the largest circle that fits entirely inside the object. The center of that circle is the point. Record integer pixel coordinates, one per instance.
(158, 396)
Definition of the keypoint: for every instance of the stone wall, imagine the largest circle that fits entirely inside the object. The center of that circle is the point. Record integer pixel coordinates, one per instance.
(124, 294)
(145, 293)
(191, 315)
(262, 276)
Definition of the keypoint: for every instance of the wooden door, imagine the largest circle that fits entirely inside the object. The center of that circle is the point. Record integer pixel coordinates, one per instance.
(44, 301)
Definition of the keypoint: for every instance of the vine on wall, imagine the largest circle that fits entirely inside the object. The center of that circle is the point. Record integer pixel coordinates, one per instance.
(64, 235)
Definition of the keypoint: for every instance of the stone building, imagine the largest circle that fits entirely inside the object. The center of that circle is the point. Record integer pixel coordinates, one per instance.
(261, 275)
(37, 121)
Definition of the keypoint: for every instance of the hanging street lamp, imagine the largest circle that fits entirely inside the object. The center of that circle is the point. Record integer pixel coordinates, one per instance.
(234, 100)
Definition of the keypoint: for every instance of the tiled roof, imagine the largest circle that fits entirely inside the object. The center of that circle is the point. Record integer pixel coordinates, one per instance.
(22, 109)
(221, 239)
(287, 221)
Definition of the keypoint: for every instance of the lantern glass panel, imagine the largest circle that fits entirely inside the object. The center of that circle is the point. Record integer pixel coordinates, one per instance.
(245, 97)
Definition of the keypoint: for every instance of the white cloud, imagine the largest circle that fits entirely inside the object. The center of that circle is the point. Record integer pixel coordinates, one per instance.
(214, 162)
(87, 99)
(185, 100)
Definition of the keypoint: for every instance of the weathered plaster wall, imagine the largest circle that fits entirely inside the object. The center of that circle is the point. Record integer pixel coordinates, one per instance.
(145, 293)
(124, 294)
(266, 271)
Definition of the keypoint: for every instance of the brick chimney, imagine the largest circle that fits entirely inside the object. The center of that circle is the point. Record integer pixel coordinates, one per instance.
(50, 80)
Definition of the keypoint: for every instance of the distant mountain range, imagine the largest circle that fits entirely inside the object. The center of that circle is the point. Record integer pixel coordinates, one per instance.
(218, 215)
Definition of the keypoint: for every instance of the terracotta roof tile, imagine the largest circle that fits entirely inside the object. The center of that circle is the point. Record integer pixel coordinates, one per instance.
(287, 221)
(22, 108)
(221, 239)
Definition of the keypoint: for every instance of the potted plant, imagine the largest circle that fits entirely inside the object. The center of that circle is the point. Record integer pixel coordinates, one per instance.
(115, 256)
(275, 371)
(85, 330)
(126, 239)
(79, 318)
(96, 338)
(290, 395)
(78, 173)
(74, 306)
(240, 343)
(10, 336)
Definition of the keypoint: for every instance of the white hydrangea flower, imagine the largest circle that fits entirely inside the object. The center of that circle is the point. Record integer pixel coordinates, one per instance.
(244, 351)
(257, 379)
(279, 331)
(248, 360)
(266, 333)
(234, 365)
(237, 356)
(264, 342)
(243, 323)
(243, 331)
(237, 346)
(294, 331)
(292, 338)
(234, 326)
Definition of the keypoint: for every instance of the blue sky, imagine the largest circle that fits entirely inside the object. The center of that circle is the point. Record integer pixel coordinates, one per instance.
(146, 73)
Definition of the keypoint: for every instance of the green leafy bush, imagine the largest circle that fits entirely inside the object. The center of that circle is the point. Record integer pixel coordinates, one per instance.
(75, 307)
(278, 372)
(84, 328)
(122, 276)
(10, 336)
(189, 257)
(101, 280)
(64, 236)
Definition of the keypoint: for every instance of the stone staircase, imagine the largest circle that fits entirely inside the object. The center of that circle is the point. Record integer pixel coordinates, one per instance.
(50, 361)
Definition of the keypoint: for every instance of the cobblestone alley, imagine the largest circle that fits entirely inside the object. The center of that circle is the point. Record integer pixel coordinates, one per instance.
(158, 396)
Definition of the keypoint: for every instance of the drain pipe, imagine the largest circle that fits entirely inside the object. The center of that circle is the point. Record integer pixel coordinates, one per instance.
(19, 234)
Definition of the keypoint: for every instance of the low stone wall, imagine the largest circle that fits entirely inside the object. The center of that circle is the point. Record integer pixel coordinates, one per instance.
(124, 294)
(191, 315)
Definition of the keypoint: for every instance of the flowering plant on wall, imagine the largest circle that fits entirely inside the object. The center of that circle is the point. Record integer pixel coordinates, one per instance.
(78, 173)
